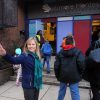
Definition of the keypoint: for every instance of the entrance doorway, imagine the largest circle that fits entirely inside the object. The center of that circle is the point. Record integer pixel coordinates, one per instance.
(54, 29)
(50, 34)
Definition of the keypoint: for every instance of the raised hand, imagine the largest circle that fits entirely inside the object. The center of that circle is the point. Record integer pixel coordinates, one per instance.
(2, 50)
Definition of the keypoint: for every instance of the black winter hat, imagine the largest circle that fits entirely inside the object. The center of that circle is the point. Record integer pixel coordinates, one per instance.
(69, 40)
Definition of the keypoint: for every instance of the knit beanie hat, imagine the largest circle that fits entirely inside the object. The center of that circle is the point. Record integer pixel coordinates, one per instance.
(18, 51)
(69, 40)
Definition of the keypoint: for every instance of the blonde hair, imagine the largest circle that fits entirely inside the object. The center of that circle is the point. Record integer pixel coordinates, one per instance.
(25, 49)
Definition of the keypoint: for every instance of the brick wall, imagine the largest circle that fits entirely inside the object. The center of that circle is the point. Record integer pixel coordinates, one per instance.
(10, 37)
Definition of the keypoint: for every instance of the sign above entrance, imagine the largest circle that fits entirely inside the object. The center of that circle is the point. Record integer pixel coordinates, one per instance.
(58, 10)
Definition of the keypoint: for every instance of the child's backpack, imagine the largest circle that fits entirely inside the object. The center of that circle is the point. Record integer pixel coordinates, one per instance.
(46, 49)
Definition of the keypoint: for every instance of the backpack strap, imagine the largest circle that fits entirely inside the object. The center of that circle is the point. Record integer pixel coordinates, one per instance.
(97, 44)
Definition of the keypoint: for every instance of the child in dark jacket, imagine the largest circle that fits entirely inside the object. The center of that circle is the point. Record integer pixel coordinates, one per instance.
(68, 67)
(31, 68)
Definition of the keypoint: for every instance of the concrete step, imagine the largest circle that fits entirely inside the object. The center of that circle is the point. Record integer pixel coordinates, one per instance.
(50, 79)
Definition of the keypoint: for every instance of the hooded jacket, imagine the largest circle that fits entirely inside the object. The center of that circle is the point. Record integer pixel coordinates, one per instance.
(69, 65)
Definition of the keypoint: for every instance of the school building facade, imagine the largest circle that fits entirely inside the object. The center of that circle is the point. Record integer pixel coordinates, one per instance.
(56, 18)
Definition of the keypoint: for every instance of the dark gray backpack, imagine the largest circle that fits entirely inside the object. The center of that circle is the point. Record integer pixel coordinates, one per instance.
(95, 54)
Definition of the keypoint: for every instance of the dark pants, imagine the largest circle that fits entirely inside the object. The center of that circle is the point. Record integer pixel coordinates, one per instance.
(31, 94)
(95, 92)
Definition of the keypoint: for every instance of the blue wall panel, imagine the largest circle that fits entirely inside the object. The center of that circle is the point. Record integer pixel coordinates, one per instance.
(63, 28)
(34, 26)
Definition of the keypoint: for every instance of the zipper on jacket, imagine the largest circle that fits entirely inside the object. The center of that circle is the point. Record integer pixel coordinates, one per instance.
(30, 83)
(30, 80)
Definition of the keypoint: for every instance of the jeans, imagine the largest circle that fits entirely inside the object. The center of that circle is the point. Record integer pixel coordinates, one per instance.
(47, 60)
(74, 90)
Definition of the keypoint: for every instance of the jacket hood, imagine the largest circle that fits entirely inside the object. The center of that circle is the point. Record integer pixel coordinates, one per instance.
(68, 47)
(70, 52)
